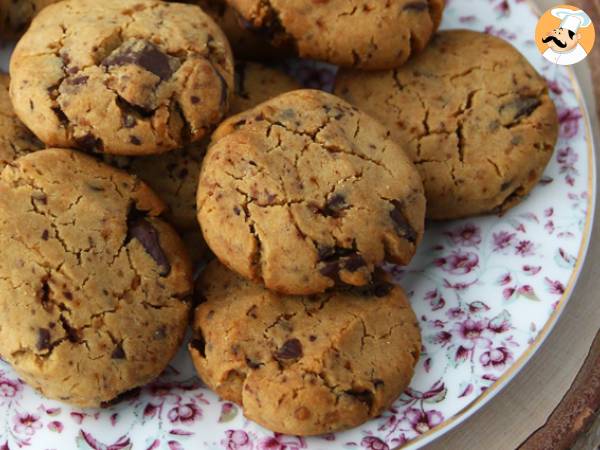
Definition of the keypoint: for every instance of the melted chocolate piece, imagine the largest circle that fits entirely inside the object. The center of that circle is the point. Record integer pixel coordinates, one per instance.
(291, 349)
(334, 206)
(138, 227)
(417, 6)
(90, 143)
(43, 341)
(199, 344)
(118, 352)
(365, 397)
(148, 57)
(401, 224)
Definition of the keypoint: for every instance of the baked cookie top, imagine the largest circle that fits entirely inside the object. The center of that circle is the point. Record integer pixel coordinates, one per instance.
(15, 139)
(305, 191)
(130, 77)
(472, 113)
(96, 280)
(15, 16)
(174, 175)
(380, 34)
(304, 365)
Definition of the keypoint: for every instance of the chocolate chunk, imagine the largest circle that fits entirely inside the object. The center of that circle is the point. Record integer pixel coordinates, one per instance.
(77, 81)
(90, 143)
(401, 224)
(354, 262)
(252, 364)
(43, 342)
(147, 56)
(62, 117)
(327, 253)
(199, 344)
(135, 140)
(127, 395)
(522, 106)
(118, 352)
(44, 295)
(291, 349)
(416, 6)
(312, 338)
(331, 270)
(45, 235)
(142, 230)
(194, 99)
(72, 333)
(381, 288)
(365, 397)
(160, 333)
(334, 206)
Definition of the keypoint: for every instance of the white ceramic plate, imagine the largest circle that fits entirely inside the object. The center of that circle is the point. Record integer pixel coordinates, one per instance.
(487, 292)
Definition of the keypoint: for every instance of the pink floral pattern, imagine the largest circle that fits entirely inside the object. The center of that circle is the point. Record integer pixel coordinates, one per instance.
(483, 289)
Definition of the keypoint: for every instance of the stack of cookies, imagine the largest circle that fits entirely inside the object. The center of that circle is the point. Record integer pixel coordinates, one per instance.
(134, 147)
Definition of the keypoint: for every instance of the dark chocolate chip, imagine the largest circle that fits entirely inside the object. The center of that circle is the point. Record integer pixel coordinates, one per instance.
(291, 349)
(72, 333)
(78, 80)
(44, 295)
(140, 228)
(382, 288)
(160, 333)
(331, 270)
(149, 58)
(312, 338)
(334, 206)
(354, 262)
(118, 352)
(45, 235)
(401, 224)
(135, 140)
(90, 143)
(522, 106)
(43, 341)
(365, 397)
(199, 344)
(252, 364)
(194, 99)
(417, 6)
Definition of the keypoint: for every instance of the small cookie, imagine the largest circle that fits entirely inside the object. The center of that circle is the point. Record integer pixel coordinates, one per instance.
(174, 175)
(245, 43)
(15, 139)
(15, 15)
(131, 77)
(97, 282)
(304, 365)
(472, 113)
(382, 34)
(305, 191)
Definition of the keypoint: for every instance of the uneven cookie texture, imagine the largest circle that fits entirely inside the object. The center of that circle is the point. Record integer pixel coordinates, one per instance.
(304, 365)
(379, 34)
(474, 115)
(174, 175)
(15, 139)
(15, 15)
(97, 282)
(129, 77)
(304, 192)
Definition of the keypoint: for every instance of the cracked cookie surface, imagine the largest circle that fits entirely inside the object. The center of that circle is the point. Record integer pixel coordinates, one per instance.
(174, 175)
(304, 365)
(377, 34)
(15, 16)
(474, 115)
(97, 282)
(129, 77)
(15, 139)
(304, 192)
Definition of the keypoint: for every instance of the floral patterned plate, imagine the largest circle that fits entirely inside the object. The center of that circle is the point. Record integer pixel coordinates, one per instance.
(487, 291)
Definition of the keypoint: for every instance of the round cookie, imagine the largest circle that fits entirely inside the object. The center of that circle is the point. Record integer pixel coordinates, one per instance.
(15, 139)
(304, 192)
(380, 35)
(472, 113)
(304, 365)
(174, 175)
(97, 282)
(15, 16)
(131, 77)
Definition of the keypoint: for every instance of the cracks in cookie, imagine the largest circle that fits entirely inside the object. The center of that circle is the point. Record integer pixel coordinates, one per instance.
(496, 168)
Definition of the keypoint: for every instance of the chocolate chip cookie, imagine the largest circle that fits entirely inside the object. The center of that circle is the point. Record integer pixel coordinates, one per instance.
(474, 116)
(304, 365)
(15, 139)
(304, 192)
(175, 174)
(131, 77)
(97, 282)
(380, 34)
(15, 15)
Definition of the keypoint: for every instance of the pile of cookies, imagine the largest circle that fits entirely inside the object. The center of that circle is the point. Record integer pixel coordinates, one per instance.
(133, 146)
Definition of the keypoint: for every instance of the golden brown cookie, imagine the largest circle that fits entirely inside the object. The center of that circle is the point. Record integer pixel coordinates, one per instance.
(304, 365)
(132, 77)
(15, 15)
(15, 139)
(305, 191)
(472, 113)
(379, 34)
(97, 283)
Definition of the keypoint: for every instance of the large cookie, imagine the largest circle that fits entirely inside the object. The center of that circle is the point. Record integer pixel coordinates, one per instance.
(95, 280)
(474, 116)
(15, 15)
(174, 175)
(15, 139)
(305, 191)
(130, 77)
(304, 365)
(380, 34)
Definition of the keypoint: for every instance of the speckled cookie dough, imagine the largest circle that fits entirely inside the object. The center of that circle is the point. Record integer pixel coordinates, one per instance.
(304, 192)
(379, 34)
(304, 365)
(174, 175)
(474, 116)
(131, 77)
(15, 139)
(15, 15)
(97, 282)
